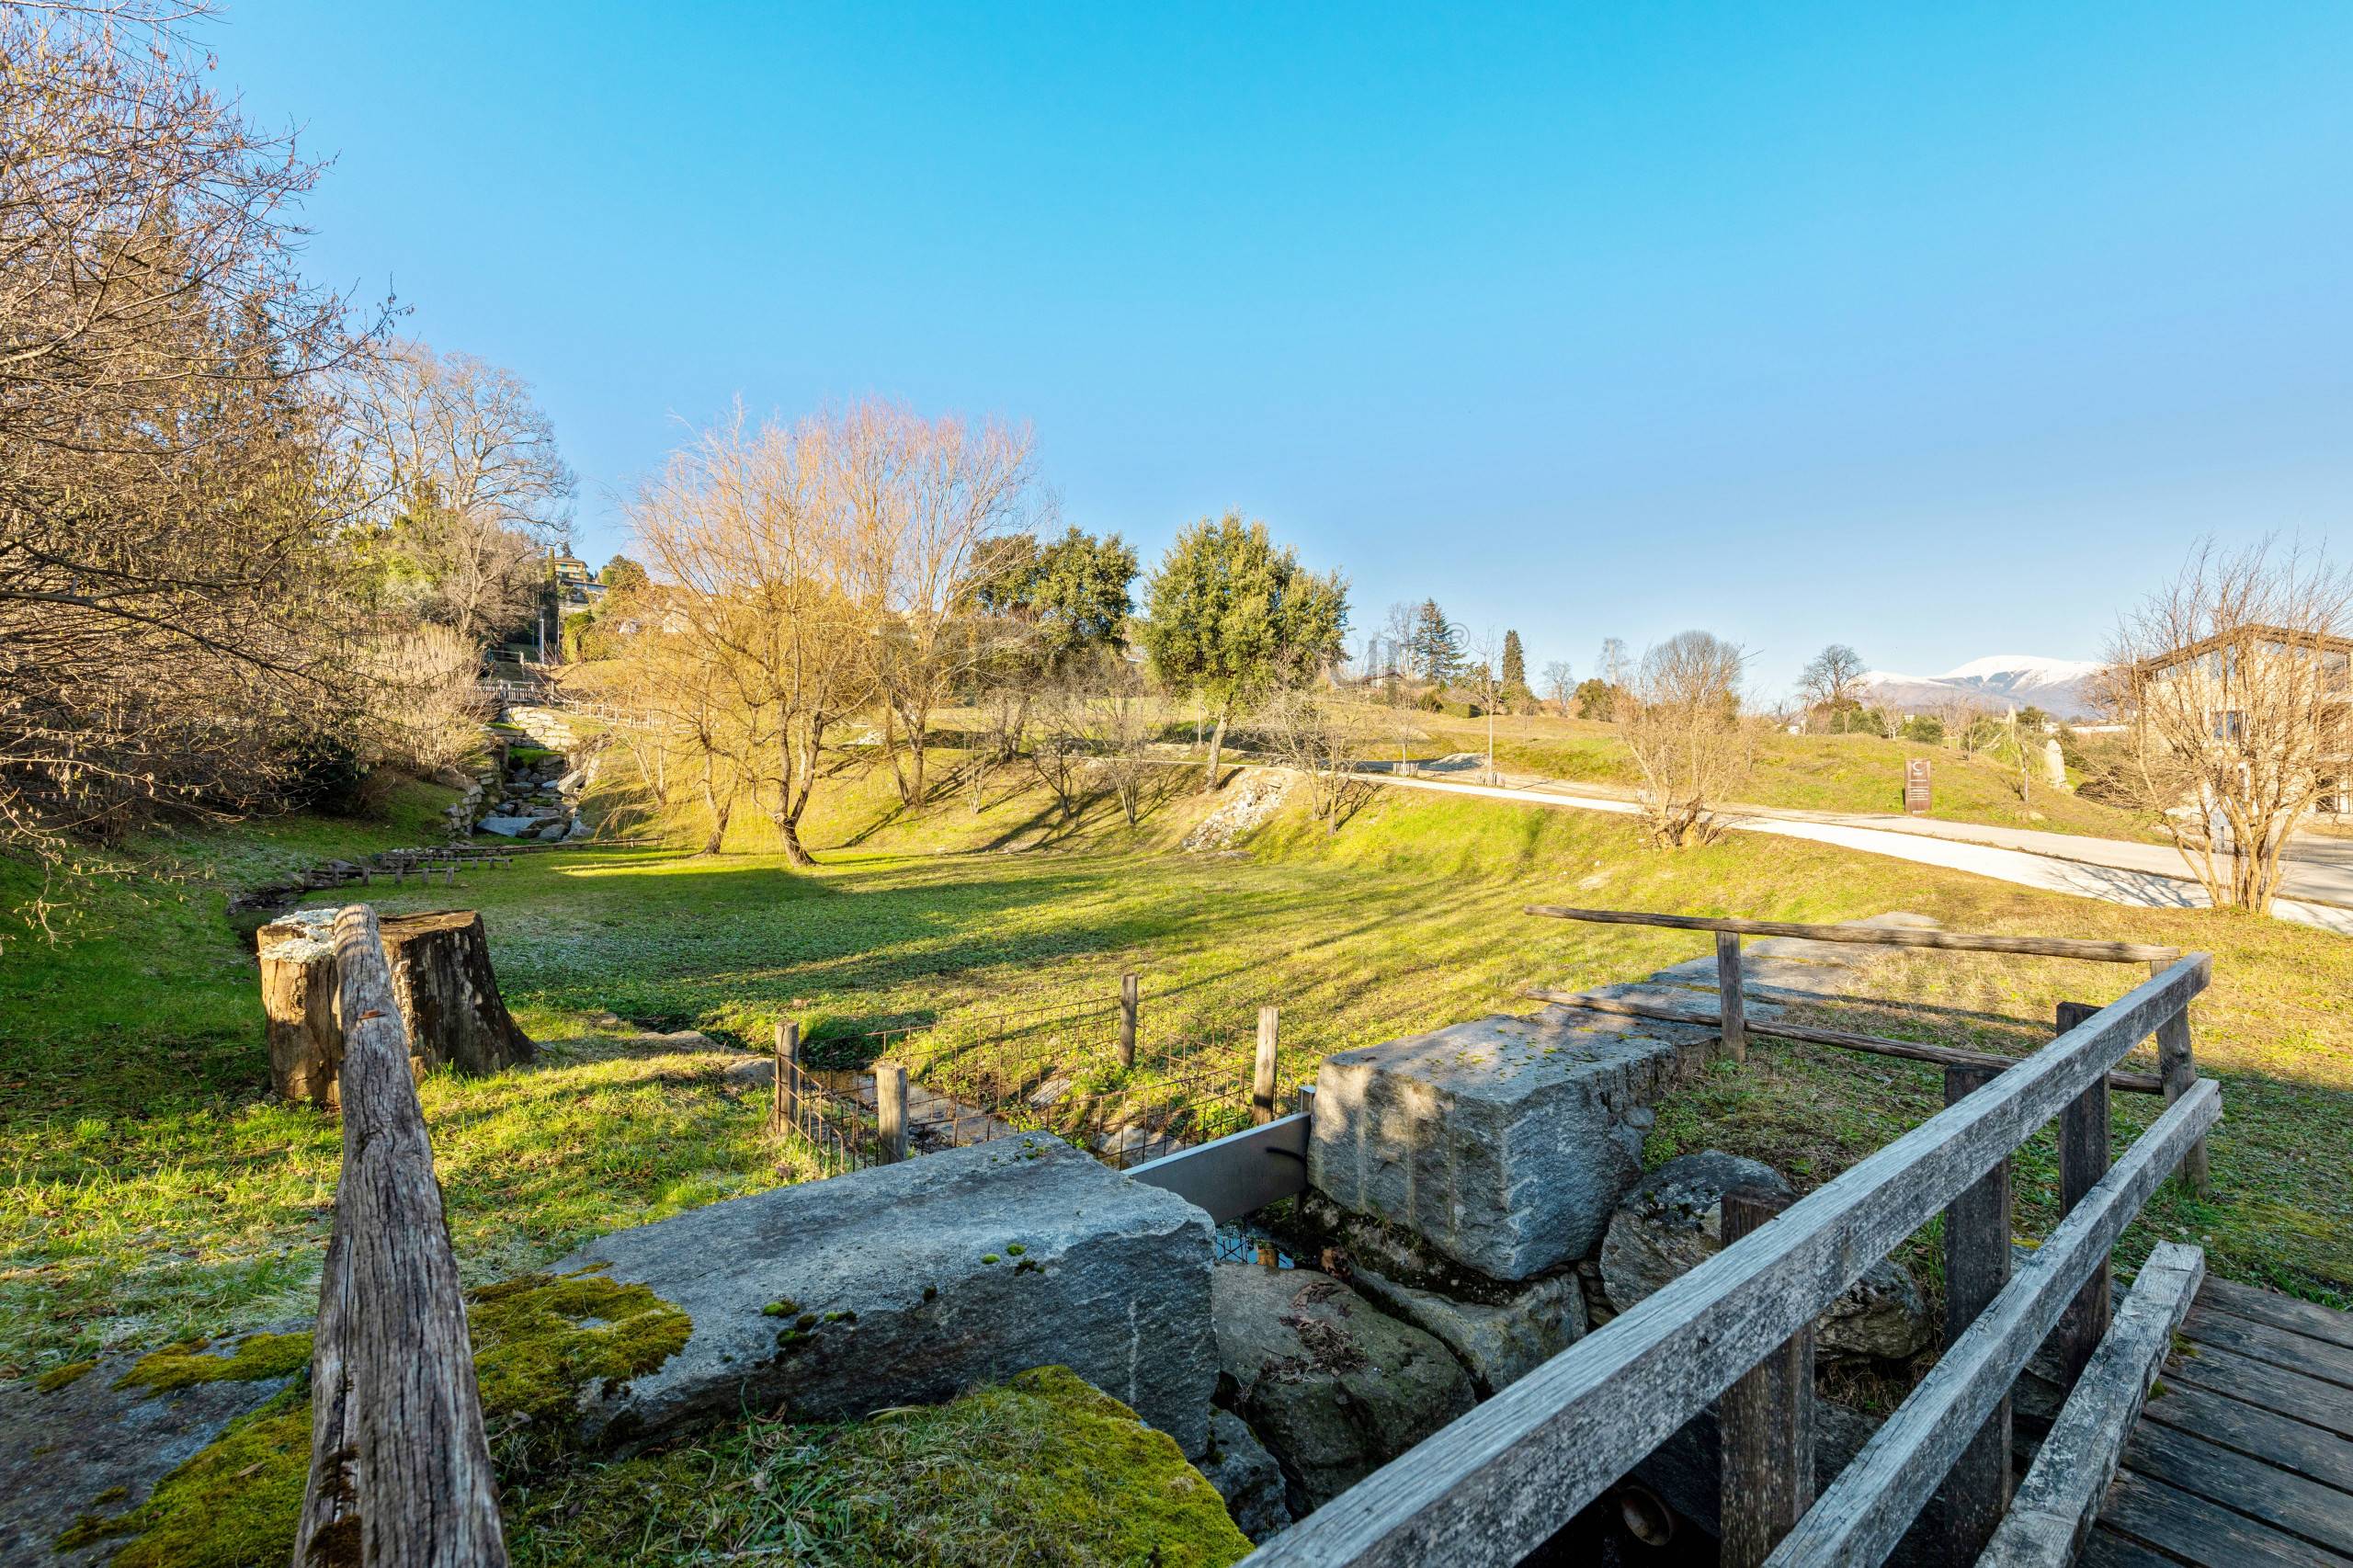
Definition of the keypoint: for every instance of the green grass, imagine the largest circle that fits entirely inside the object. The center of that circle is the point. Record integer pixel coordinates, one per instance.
(153, 1194)
(1814, 773)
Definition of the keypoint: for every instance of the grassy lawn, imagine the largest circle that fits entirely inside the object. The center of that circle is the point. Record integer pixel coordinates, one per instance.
(151, 1191)
(1814, 773)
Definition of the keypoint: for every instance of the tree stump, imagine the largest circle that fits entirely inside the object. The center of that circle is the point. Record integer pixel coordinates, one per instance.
(441, 979)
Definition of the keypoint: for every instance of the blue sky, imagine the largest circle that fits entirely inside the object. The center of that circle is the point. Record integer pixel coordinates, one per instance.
(1939, 331)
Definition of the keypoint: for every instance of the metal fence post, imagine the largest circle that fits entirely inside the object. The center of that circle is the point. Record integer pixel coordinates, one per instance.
(1766, 1480)
(1262, 1081)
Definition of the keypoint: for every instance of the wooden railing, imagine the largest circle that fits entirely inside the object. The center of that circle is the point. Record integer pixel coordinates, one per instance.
(400, 1467)
(2176, 1069)
(1493, 1486)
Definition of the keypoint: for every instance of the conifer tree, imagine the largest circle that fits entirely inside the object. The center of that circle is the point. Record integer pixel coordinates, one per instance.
(1514, 672)
(1436, 650)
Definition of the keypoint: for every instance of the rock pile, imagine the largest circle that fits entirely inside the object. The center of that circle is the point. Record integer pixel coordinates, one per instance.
(539, 798)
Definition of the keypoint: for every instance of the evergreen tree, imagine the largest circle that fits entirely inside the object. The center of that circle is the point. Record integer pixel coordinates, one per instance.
(1435, 648)
(1232, 617)
(1515, 676)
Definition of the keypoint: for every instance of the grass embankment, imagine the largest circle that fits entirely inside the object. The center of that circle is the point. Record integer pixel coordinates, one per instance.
(154, 1193)
(1808, 773)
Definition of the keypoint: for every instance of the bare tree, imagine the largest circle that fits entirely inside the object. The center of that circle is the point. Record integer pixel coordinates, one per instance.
(925, 498)
(1560, 685)
(1060, 748)
(1831, 680)
(770, 572)
(1322, 740)
(1679, 710)
(2233, 681)
(423, 708)
(463, 480)
(171, 625)
(1120, 726)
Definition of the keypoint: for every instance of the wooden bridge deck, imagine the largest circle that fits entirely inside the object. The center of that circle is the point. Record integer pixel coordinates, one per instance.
(2243, 1454)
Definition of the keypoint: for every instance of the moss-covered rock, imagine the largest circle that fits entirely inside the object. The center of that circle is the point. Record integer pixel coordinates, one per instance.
(62, 1377)
(257, 1356)
(1042, 1469)
(234, 1503)
(542, 1339)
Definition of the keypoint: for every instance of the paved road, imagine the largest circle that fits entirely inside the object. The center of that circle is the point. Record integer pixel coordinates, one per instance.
(2147, 875)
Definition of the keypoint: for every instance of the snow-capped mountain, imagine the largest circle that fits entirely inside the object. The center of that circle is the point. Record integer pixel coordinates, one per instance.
(2059, 686)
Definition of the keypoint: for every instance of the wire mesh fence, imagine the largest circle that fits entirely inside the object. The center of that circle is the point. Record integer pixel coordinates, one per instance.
(1086, 1074)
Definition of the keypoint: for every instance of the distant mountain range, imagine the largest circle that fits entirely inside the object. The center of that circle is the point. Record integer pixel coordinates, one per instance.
(2060, 688)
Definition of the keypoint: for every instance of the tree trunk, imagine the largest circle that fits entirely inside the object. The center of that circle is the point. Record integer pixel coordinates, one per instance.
(441, 977)
(298, 991)
(448, 996)
(400, 1466)
(1217, 743)
(789, 829)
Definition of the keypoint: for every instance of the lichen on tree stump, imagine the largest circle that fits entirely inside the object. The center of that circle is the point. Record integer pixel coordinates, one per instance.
(441, 979)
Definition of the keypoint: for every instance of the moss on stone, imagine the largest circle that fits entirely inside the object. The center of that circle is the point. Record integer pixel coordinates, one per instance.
(256, 1357)
(539, 1340)
(62, 1377)
(1042, 1469)
(234, 1502)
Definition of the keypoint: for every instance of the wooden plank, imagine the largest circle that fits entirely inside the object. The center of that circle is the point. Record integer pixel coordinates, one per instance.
(1977, 1269)
(2106, 1549)
(1877, 936)
(1732, 1019)
(400, 1468)
(2197, 1531)
(2084, 1156)
(1865, 1512)
(2320, 1513)
(1766, 1482)
(1493, 1485)
(2060, 1497)
(1813, 1034)
(2258, 1382)
(2307, 1318)
(2251, 1429)
(1239, 1174)
(2282, 1348)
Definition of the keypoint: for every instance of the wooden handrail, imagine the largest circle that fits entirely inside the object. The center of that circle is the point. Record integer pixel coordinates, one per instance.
(1491, 1486)
(1862, 1516)
(1876, 936)
(400, 1467)
(1846, 1039)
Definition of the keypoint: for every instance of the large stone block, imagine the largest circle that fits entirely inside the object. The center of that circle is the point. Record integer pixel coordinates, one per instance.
(907, 1284)
(1505, 1142)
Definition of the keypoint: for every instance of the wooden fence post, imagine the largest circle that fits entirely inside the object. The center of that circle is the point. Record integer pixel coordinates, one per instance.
(2083, 1160)
(891, 1109)
(2179, 1069)
(785, 1108)
(1766, 1479)
(1735, 1014)
(1977, 1265)
(1262, 1081)
(1127, 1020)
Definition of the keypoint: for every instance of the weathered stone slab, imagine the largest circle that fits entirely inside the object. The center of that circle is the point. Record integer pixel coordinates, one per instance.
(507, 827)
(1497, 1343)
(85, 1450)
(1672, 1222)
(1335, 1388)
(906, 1284)
(1246, 1476)
(1505, 1142)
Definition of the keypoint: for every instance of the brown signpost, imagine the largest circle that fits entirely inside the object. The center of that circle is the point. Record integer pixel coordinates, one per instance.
(1916, 787)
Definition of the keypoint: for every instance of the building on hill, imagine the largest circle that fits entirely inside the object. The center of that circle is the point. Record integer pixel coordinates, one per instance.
(2250, 688)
